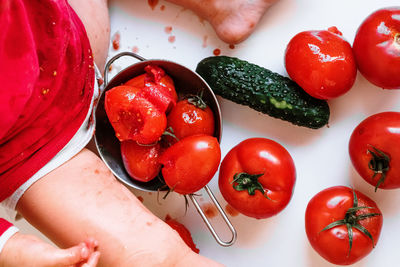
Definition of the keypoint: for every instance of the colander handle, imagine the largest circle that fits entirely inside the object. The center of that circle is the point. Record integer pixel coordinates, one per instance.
(114, 58)
(207, 222)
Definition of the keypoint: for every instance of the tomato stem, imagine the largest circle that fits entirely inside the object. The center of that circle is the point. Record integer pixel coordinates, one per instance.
(197, 101)
(170, 132)
(379, 164)
(351, 220)
(244, 181)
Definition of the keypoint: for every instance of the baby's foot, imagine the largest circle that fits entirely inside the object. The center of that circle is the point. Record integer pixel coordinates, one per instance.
(232, 20)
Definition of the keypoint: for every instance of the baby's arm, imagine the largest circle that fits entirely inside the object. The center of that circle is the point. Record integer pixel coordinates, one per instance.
(82, 198)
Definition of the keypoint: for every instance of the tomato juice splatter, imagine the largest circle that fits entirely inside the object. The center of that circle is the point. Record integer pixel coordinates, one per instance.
(171, 39)
(168, 29)
(209, 210)
(217, 52)
(115, 40)
(231, 211)
(152, 3)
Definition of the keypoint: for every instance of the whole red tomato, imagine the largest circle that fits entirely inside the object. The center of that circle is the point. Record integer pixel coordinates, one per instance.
(321, 62)
(191, 116)
(375, 152)
(257, 177)
(141, 162)
(342, 224)
(190, 164)
(132, 116)
(377, 48)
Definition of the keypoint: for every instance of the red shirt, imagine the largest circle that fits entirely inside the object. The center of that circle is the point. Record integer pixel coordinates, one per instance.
(46, 85)
(4, 225)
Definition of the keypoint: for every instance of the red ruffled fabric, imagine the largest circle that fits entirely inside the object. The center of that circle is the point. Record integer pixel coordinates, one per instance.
(4, 226)
(46, 85)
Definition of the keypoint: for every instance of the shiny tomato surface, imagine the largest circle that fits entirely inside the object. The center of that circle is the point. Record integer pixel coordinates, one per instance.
(377, 48)
(141, 162)
(191, 163)
(187, 119)
(331, 205)
(374, 149)
(321, 62)
(257, 177)
(132, 116)
(157, 87)
(154, 76)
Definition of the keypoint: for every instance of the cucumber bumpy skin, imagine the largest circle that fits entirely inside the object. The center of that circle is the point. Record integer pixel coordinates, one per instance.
(263, 90)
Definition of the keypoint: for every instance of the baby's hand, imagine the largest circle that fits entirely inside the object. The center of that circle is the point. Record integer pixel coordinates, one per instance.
(28, 250)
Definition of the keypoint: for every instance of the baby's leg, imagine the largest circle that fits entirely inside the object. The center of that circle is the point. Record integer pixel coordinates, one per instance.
(232, 20)
(94, 16)
(82, 198)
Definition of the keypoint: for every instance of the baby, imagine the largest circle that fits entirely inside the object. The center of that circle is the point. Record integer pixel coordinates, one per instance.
(50, 51)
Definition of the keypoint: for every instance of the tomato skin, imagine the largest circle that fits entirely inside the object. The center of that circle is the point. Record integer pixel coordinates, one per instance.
(137, 81)
(186, 119)
(183, 233)
(155, 76)
(331, 205)
(381, 131)
(132, 116)
(190, 164)
(258, 156)
(159, 96)
(321, 62)
(141, 162)
(377, 48)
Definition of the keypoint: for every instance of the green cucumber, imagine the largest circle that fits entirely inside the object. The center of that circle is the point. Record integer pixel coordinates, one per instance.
(263, 90)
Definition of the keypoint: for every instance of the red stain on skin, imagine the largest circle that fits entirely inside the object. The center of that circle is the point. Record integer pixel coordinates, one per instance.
(152, 3)
(168, 29)
(135, 49)
(231, 211)
(167, 217)
(171, 39)
(217, 52)
(201, 20)
(162, 8)
(209, 210)
(96, 171)
(115, 40)
(205, 38)
(150, 193)
(140, 199)
(231, 46)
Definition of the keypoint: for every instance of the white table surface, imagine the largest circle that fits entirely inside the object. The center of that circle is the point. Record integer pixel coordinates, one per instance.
(321, 156)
